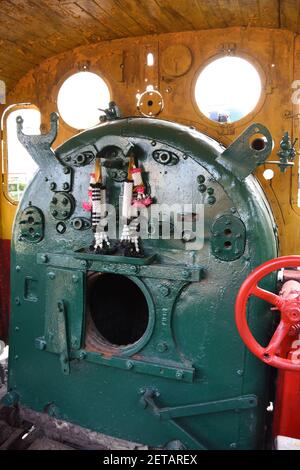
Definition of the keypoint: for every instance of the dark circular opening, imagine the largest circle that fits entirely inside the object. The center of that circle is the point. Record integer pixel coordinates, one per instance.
(258, 144)
(227, 231)
(227, 245)
(150, 102)
(30, 220)
(118, 309)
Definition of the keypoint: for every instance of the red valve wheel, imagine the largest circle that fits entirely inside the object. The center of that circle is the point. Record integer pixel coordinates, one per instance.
(288, 306)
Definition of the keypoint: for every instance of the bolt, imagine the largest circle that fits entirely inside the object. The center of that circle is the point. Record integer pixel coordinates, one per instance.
(185, 157)
(66, 170)
(82, 355)
(17, 300)
(44, 258)
(210, 190)
(52, 186)
(134, 269)
(211, 200)
(185, 274)
(129, 364)
(162, 347)
(202, 188)
(83, 263)
(179, 374)
(17, 328)
(18, 268)
(66, 186)
(239, 372)
(200, 179)
(51, 275)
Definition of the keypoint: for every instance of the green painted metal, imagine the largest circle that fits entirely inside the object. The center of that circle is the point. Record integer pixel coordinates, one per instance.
(190, 352)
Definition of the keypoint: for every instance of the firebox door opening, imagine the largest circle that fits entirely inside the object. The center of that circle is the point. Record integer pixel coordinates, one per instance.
(118, 310)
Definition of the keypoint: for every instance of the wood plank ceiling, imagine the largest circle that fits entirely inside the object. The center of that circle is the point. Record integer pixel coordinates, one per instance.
(33, 30)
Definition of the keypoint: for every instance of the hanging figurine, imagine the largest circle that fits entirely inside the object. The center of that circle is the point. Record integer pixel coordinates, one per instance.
(140, 199)
(97, 205)
(133, 197)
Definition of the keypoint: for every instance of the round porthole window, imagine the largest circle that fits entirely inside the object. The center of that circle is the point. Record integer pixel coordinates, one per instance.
(228, 89)
(80, 99)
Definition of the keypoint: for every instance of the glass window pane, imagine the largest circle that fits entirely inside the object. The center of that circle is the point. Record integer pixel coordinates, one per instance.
(20, 165)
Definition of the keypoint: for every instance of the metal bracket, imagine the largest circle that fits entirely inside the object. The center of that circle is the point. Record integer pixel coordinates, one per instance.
(56, 336)
(243, 402)
(169, 414)
(243, 155)
(59, 177)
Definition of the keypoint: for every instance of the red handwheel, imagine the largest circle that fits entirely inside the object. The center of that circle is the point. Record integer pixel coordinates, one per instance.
(288, 303)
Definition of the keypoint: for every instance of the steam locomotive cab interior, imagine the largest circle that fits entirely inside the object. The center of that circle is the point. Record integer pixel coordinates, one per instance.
(149, 283)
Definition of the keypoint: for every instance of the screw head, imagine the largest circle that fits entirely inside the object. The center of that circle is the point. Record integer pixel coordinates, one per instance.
(51, 275)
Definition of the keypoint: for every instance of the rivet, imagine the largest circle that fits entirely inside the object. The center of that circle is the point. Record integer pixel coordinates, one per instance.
(17, 328)
(75, 278)
(17, 300)
(210, 190)
(51, 275)
(153, 143)
(134, 269)
(18, 268)
(200, 179)
(185, 157)
(179, 374)
(239, 372)
(129, 364)
(211, 200)
(202, 188)
(83, 263)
